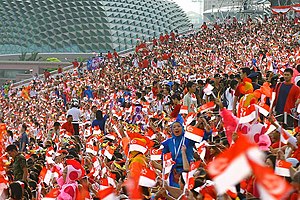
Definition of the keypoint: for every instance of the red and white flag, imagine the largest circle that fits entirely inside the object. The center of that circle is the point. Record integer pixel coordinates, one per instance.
(206, 107)
(183, 110)
(56, 171)
(248, 115)
(225, 168)
(147, 177)
(194, 133)
(111, 178)
(270, 186)
(264, 110)
(190, 180)
(117, 131)
(107, 194)
(49, 155)
(91, 149)
(137, 145)
(155, 154)
(201, 149)
(108, 152)
(104, 183)
(96, 130)
(96, 163)
(167, 163)
(208, 89)
(282, 168)
(45, 175)
(190, 118)
(286, 137)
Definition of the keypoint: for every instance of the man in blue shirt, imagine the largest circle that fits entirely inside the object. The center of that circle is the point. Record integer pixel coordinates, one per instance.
(24, 138)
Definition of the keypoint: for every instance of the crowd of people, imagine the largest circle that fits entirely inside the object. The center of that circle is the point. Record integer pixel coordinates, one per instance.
(159, 123)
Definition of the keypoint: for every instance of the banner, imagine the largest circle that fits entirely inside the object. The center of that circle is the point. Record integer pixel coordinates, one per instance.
(284, 9)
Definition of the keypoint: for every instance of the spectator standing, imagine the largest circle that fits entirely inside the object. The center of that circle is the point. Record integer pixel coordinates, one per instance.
(190, 99)
(76, 114)
(68, 126)
(19, 166)
(24, 141)
(100, 121)
(287, 96)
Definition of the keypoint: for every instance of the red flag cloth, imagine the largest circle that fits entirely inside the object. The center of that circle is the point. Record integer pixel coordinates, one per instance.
(225, 168)
(132, 184)
(193, 133)
(207, 106)
(155, 154)
(282, 168)
(247, 114)
(107, 194)
(147, 177)
(53, 193)
(190, 118)
(183, 110)
(286, 137)
(167, 163)
(190, 175)
(270, 186)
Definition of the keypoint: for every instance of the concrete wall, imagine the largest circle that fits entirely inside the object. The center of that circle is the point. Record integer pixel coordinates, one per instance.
(33, 67)
(36, 67)
(69, 57)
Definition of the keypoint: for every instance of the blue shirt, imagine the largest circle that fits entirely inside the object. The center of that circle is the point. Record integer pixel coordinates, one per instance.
(100, 123)
(174, 145)
(24, 138)
(283, 92)
(207, 135)
(88, 93)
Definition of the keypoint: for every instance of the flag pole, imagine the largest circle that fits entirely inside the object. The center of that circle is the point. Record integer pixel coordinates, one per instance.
(163, 173)
(281, 129)
(285, 118)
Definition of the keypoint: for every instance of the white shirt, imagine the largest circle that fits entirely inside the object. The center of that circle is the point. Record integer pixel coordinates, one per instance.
(87, 115)
(75, 112)
(33, 93)
(229, 96)
(160, 64)
(11, 140)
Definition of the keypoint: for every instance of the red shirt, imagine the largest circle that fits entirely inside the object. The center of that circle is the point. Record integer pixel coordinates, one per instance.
(176, 111)
(275, 145)
(47, 74)
(204, 26)
(109, 56)
(292, 97)
(155, 91)
(59, 70)
(75, 64)
(296, 153)
(145, 63)
(165, 56)
(161, 38)
(68, 127)
(173, 35)
(167, 37)
(116, 54)
(154, 42)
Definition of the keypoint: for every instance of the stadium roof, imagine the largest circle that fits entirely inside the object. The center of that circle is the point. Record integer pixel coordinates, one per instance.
(84, 25)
